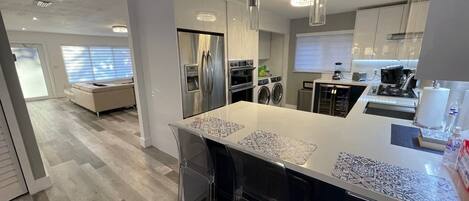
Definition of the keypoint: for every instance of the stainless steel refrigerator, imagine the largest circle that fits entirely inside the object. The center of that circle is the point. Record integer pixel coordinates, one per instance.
(202, 63)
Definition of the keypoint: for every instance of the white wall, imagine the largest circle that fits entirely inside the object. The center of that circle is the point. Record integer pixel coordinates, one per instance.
(274, 22)
(51, 43)
(154, 42)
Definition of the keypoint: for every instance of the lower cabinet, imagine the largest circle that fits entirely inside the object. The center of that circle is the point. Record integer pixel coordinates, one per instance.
(301, 187)
(304, 188)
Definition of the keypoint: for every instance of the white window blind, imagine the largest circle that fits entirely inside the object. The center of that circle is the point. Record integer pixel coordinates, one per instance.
(318, 52)
(85, 64)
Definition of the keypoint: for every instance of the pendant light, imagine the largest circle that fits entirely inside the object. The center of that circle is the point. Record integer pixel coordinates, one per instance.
(253, 9)
(317, 13)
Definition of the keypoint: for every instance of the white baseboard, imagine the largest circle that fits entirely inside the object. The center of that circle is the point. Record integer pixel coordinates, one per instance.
(145, 143)
(290, 106)
(39, 185)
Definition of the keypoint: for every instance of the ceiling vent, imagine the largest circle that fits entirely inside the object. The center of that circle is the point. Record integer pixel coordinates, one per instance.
(42, 3)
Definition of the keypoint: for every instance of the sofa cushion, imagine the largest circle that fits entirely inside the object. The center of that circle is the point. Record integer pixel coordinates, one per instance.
(90, 87)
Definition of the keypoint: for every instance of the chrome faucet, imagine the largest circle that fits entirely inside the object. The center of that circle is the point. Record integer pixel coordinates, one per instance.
(407, 81)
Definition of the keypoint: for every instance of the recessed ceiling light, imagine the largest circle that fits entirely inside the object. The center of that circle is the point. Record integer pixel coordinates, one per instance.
(301, 3)
(23, 28)
(42, 3)
(35, 19)
(206, 16)
(119, 29)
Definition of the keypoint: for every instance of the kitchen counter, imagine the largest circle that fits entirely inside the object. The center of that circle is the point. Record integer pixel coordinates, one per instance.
(369, 96)
(345, 82)
(321, 139)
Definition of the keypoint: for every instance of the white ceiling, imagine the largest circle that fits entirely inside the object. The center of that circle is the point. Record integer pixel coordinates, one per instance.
(284, 8)
(95, 17)
(88, 17)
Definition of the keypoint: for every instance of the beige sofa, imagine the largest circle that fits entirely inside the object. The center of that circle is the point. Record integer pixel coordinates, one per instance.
(102, 98)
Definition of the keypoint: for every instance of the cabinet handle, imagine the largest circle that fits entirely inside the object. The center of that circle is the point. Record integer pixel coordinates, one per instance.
(358, 196)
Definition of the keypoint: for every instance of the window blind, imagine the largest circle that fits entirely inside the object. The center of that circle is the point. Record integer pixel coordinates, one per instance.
(320, 51)
(98, 63)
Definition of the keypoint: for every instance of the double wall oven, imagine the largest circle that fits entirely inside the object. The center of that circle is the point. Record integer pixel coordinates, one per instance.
(241, 80)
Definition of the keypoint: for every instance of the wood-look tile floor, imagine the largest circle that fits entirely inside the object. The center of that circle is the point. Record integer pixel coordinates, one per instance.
(98, 159)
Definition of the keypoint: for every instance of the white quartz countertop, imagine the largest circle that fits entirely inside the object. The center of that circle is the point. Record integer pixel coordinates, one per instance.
(359, 134)
(343, 81)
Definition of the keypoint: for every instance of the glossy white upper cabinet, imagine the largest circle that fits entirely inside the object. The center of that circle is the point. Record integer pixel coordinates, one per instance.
(243, 43)
(186, 12)
(372, 28)
(418, 16)
(265, 39)
(410, 48)
(389, 22)
(445, 42)
(364, 35)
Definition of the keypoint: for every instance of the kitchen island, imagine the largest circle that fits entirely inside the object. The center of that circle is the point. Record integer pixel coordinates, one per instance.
(326, 148)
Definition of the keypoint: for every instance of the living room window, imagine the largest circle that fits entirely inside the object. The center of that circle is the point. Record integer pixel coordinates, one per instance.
(97, 63)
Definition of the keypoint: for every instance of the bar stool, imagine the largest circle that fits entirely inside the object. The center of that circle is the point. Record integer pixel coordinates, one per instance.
(223, 171)
(196, 172)
(257, 179)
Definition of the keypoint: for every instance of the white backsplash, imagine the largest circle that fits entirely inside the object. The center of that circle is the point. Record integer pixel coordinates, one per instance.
(368, 66)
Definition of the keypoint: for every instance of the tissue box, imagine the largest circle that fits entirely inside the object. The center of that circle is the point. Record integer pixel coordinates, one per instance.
(462, 164)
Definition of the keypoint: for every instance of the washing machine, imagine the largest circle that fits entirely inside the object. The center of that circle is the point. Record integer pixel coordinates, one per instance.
(276, 91)
(263, 91)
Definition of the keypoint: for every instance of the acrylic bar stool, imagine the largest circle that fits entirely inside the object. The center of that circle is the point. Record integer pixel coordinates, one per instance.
(196, 172)
(257, 179)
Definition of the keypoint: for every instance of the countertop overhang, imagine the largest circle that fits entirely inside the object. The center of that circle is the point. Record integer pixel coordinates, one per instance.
(359, 134)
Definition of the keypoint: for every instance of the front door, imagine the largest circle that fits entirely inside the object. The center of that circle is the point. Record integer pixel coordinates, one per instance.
(32, 71)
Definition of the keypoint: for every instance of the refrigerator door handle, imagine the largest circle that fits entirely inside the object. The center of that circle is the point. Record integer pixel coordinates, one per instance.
(204, 71)
(210, 65)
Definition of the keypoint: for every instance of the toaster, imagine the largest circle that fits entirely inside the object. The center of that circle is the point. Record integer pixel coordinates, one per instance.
(359, 76)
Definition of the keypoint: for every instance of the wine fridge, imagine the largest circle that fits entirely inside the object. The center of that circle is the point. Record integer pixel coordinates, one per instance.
(333, 100)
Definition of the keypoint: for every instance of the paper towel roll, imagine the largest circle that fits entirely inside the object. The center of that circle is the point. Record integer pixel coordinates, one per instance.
(464, 112)
(432, 108)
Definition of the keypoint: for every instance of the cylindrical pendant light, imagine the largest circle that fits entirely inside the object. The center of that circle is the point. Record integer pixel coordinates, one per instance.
(253, 9)
(317, 13)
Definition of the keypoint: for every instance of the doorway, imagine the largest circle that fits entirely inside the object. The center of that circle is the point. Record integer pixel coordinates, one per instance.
(32, 71)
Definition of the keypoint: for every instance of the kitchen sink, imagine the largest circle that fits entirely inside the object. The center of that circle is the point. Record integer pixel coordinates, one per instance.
(388, 110)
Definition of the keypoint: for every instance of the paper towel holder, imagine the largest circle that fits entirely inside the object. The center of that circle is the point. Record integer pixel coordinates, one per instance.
(435, 85)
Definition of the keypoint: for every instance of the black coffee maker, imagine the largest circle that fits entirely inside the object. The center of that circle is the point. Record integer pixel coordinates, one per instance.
(392, 75)
(397, 81)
